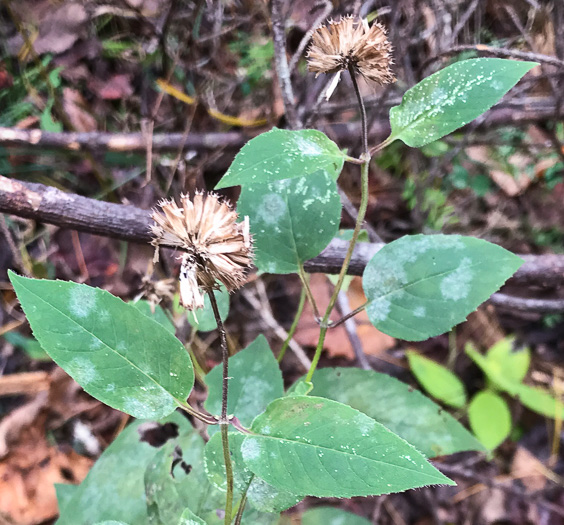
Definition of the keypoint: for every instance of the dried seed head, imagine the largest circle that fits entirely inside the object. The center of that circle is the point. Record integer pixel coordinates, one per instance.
(352, 42)
(217, 247)
(156, 291)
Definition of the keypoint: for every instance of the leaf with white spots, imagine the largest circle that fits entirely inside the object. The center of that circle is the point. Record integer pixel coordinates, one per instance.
(260, 494)
(114, 351)
(284, 154)
(421, 286)
(291, 220)
(452, 97)
(322, 448)
(400, 408)
(255, 380)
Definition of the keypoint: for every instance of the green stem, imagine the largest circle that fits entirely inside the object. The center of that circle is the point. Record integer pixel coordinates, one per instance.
(364, 170)
(294, 326)
(243, 502)
(224, 420)
(228, 472)
(305, 281)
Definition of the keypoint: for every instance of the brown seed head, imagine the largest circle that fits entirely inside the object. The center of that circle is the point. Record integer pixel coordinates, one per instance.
(217, 247)
(348, 42)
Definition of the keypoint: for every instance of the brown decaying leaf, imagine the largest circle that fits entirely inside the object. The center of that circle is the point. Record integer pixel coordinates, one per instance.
(75, 108)
(337, 343)
(61, 28)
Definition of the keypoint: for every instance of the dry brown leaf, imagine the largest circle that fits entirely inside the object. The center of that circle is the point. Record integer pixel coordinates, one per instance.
(528, 469)
(337, 343)
(61, 28)
(75, 108)
(510, 185)
(29, 472)
(114, 88)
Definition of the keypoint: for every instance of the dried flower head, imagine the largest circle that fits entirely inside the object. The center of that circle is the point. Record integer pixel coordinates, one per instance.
(217, 247)
(351, 42)
(156, 291)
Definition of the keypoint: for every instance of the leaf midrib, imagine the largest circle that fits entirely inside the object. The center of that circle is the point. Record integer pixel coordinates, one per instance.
(278, 439)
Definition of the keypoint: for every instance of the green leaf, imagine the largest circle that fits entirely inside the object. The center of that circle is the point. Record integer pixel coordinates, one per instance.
(284, 154)
(189, 518)
(28, 344)
(513, 364)
(291, 221)
(452, 97)
(537, 399)
(397, 406)
(115, 352)
(171, 486)
(64, 492)
(337, 451)
(437, 380)
(421, 286)
(159, 315)
(490, 418)
(111, 522)
(261, 495)
(331, 516)
(540, 401)
(176, 480)
(113, 489)
(203, 319)
(255, 381)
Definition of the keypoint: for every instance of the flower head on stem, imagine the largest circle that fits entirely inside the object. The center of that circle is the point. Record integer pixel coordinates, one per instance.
(352, 43)
(217, 247)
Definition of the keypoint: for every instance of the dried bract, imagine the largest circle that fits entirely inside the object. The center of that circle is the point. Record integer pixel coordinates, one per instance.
(217, 247)
(351, 42)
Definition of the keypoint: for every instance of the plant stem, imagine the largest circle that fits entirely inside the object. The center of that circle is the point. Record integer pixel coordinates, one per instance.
(365, 157)
(243, 502)
(294, 325)
(305, 281)
(228, 472)
(362, 114)
(224, 420)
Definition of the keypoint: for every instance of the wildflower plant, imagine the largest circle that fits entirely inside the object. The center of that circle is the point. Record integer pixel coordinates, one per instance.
(335, 432)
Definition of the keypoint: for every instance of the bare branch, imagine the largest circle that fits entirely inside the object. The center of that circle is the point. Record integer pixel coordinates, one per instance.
(67, 210)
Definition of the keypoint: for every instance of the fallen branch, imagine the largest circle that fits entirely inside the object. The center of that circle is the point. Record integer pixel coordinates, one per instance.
(345, 134)
(129, 223)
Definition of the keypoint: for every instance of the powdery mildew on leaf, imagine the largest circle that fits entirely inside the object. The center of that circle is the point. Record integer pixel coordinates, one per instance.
(283, 154)
(452, 97)
(422, 285)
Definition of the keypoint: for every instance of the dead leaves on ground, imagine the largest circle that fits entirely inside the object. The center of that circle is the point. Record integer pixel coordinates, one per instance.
(31, 463)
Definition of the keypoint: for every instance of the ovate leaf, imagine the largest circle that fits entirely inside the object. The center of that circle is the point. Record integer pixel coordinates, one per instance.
(400, 408)
(490, 418)
(338, 451)
(158, 315)
(175, 480)
(511, 362)
(437, 380)
(331, 516)
(452, 97)
(421, 286)
(292, 220)
(255, 380)
(116, 353)
(283, 154)
(261, 495)
(536, 399)
(113, 489)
